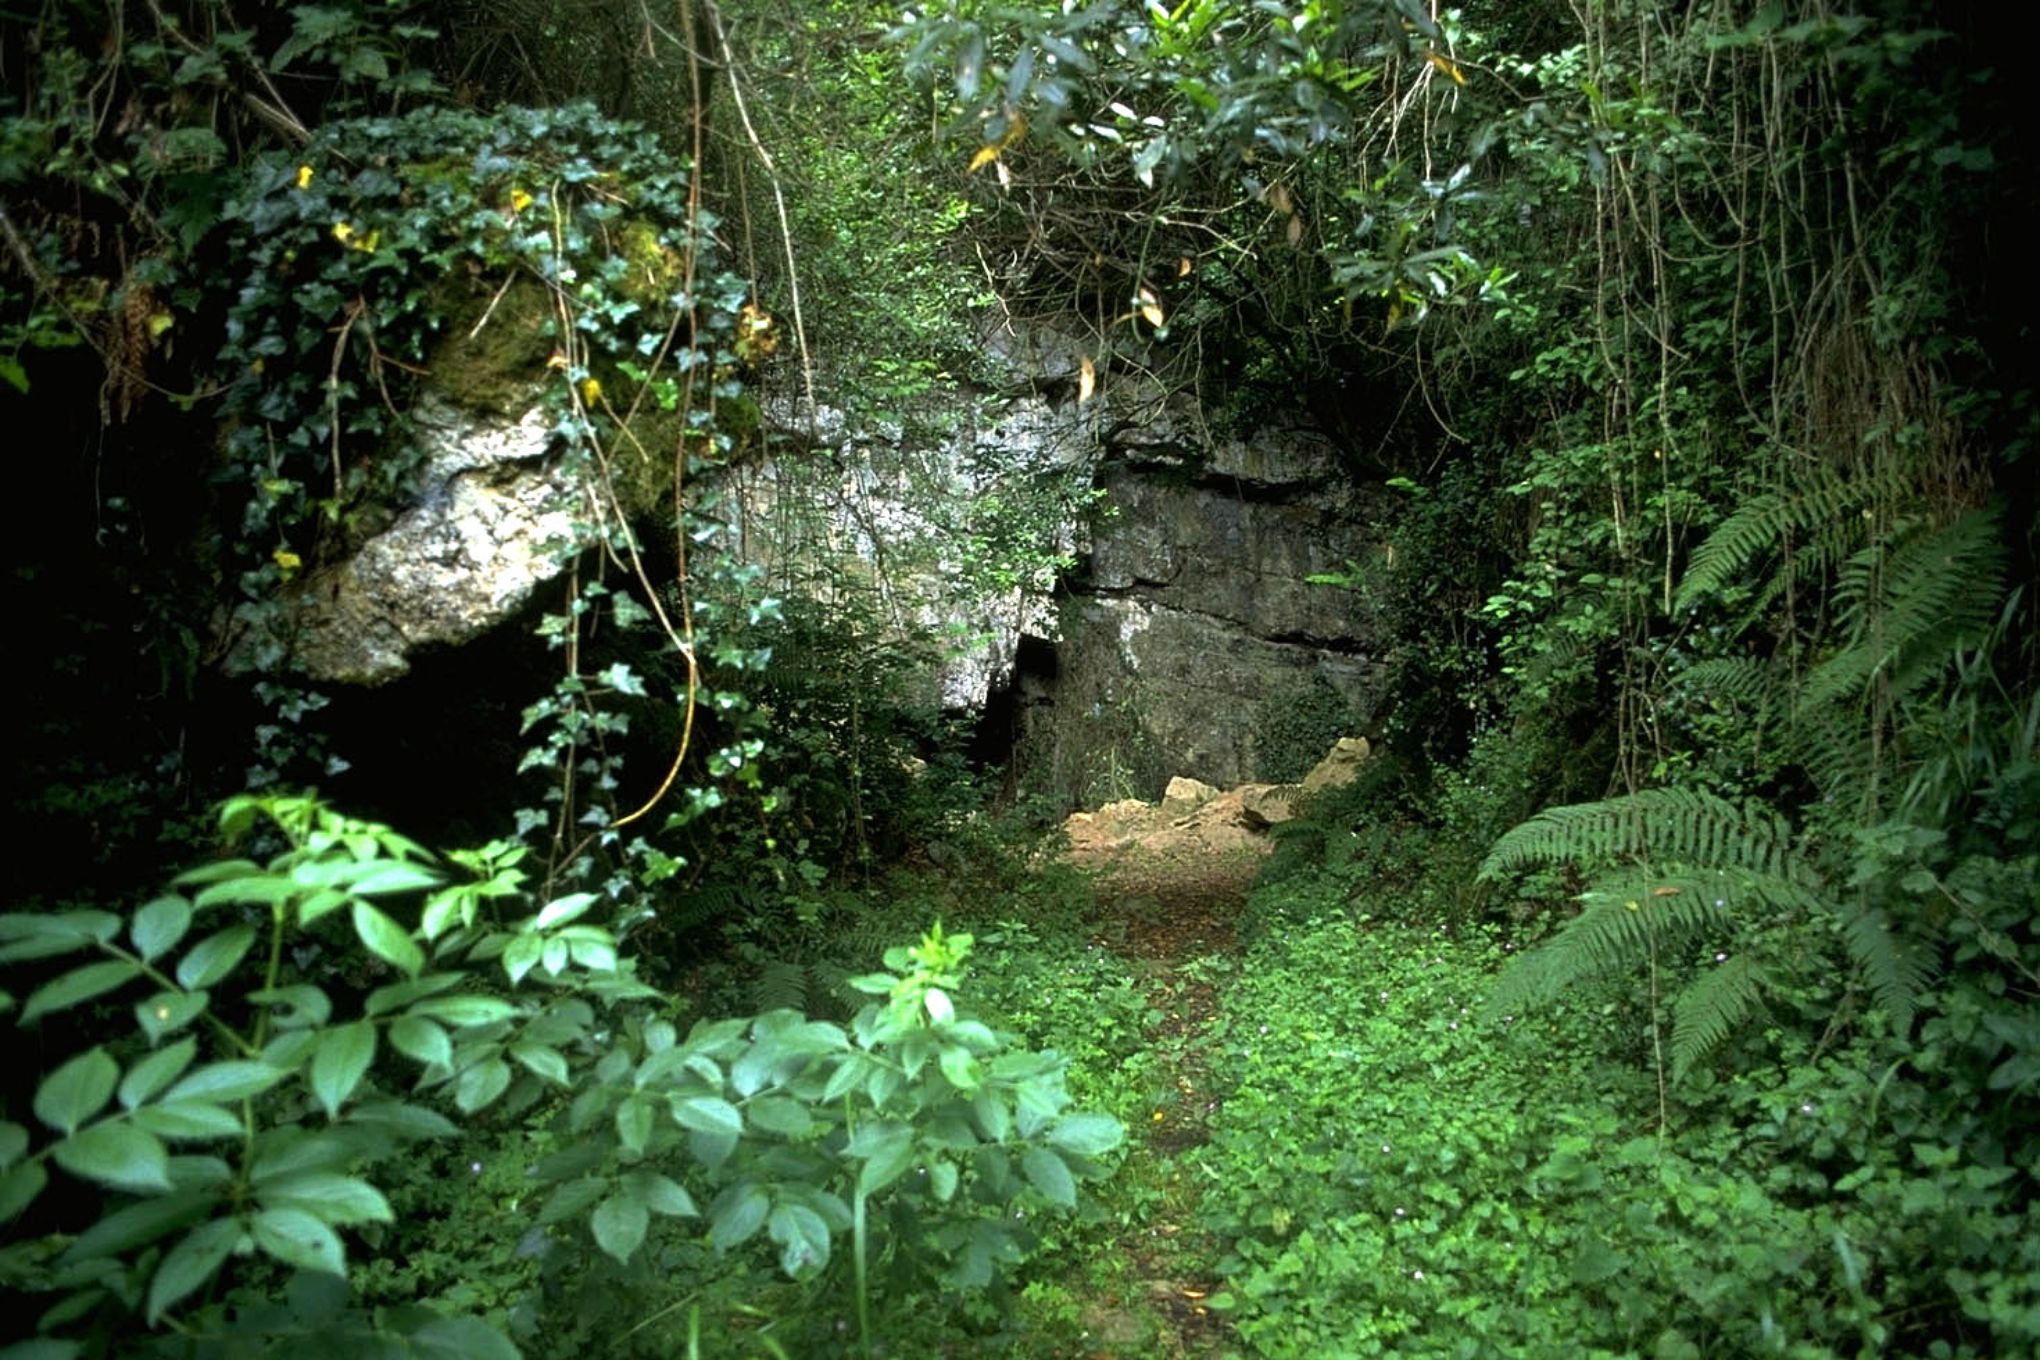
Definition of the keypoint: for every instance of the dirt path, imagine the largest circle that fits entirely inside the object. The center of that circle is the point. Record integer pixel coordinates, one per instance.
(1170, 915)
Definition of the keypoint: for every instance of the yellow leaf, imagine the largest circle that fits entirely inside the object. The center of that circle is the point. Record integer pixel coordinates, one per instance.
(1183, 267)
(286, 560)
(519, 200)
(985, 156)
(370, 241)
(591, 391)
(343, 232)
(1150, 306)
(160, 322)
(1447, 65)
(1087, 380)
(304, 177)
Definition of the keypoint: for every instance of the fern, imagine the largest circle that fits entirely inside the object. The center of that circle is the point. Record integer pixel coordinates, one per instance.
(781, 984)
(1895, 967)
(1667, 826)
(1711, 1008)
(1817, 511)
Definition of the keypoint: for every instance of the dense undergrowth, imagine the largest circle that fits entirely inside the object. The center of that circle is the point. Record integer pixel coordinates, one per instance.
(1666, 987)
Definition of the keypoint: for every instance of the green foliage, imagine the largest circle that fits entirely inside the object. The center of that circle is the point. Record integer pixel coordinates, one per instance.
(915, 1130)
(244, 1117)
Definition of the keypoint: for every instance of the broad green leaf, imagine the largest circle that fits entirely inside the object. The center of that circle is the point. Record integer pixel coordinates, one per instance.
(296, 1238)
(634, 1124)
(942, 1177)
(213, 957)
(139, 1224)
(886, 1158)
(803, 1239)
(777, 1114)
(78, 985)
(565, 909)
(156, 1071)
(408, 1122)
(19, 1187)
(521, 955)
(339, 1063)
(160, 925)
(994, 1120)
(288, 1051)
(1048, 1173)
(256, 889)
(298, 1005)
(118, 1155)
(660, 1194)
(619, 1225)
(571, 1198)
(76, 1091)
(13, 1142)
(393, 877)
(197, 1256)
(543, 1061)
(1087, 1135)
(224, 1081)
(460, 1338)
(478, 1086)
(708, 1114)
(336, 1199)
(188, 1119)
(383, 1000)
(555, 955)
(387, 940)
(960, 1067)
(463, 1011)
(167, 1012)
(41, 1347)
(420, 1039)
(36, 936)
(737, 1214)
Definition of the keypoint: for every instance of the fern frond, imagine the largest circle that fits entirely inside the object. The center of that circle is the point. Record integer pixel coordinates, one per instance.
(1909, 606)
(1667, 826)
(1761, 523)
(1740, 680)
(1895, 967)
(781, 984)
(1711, 1008)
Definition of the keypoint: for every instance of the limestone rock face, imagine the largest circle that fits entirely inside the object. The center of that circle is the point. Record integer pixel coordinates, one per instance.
(478, 540)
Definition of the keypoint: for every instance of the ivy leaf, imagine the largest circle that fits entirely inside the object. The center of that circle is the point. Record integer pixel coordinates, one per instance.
(213, 957)
(197, 1256)
(387, 940)
(156, 1071)
(117, 1155)
(1048, 1173)
(297, 1238)
(76, 1091)
(160, 925)
(619, 1224)
(80, 984)
(342, 1058)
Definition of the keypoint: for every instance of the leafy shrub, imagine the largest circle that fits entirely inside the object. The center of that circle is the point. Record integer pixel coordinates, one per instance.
(915, 1130)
